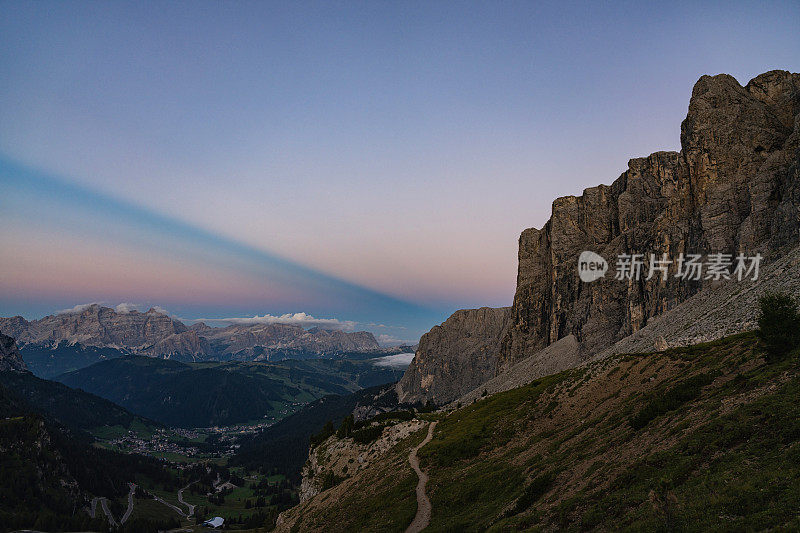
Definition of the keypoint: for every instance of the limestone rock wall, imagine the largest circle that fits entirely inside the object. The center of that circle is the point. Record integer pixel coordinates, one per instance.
(458, 355)
(733, 188)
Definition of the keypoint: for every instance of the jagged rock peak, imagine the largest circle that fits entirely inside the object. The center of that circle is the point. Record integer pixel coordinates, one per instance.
(455, 356)
(10, 359)
(732, 188)
(157, 334)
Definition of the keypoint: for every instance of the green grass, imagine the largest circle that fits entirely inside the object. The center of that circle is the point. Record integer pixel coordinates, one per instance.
(734, 472)
(152, 510)
(169, 496)
(739, 472)
(466, 432)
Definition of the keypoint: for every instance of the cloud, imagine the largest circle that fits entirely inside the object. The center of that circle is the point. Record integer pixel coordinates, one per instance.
(374, 325)
(301, 319)
(80, 308)
(399, 361)
(122, 308)
(388, 339)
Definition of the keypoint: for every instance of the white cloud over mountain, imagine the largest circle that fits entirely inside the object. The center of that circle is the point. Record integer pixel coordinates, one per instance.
(300, 319)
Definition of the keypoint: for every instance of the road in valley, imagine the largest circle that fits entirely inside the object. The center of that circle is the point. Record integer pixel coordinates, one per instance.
(173, 507)
(129, 510)
(104, 505)
(188, 505)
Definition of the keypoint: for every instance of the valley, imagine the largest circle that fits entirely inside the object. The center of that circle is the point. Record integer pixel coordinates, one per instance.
(647, 403)
(192, 395)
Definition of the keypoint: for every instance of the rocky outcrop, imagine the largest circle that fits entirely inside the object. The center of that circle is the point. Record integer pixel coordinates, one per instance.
(339, 458)
(10, 359)
(713, 313)
(733, 188)
(187, 345)
(454, 357)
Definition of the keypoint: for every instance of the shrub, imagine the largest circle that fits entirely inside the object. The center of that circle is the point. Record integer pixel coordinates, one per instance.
(326, 432)
(537, 488)
(683, 392)
(778, 325)
(428, 408)
(346, 429)
(330, 480)
(368, 434)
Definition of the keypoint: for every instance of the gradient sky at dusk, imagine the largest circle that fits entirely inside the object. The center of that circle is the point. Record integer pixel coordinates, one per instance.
(370, 162)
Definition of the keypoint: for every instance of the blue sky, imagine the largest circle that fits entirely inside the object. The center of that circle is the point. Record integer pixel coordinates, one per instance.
(366, 161)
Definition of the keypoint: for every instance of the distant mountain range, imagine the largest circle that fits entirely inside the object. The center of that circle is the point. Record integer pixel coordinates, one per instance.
(75, 339)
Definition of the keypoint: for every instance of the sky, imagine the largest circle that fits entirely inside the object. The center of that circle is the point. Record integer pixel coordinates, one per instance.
(367, 163)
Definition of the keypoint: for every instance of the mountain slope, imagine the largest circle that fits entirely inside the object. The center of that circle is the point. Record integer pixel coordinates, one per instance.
(631, 442)
(210, 394)
(73, 408)
(49, 468)
(96, 325)
(48, 362)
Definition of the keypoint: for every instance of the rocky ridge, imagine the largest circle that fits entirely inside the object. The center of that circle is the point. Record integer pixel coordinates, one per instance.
(263, 342)
(156, 334)
(10, 359)
(733, 188)
(343, 458)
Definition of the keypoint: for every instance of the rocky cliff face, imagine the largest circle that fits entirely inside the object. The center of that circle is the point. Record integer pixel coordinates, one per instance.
(455, 357)
(342, 458)
(264, 342)
(183, 345)
(96, 325)
(733, 188)
(10, 359)
(156, 334)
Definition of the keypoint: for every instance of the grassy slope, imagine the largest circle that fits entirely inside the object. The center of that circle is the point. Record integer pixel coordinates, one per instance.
(702, 438)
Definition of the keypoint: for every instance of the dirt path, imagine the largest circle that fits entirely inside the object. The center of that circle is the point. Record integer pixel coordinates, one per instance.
(423, 517)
